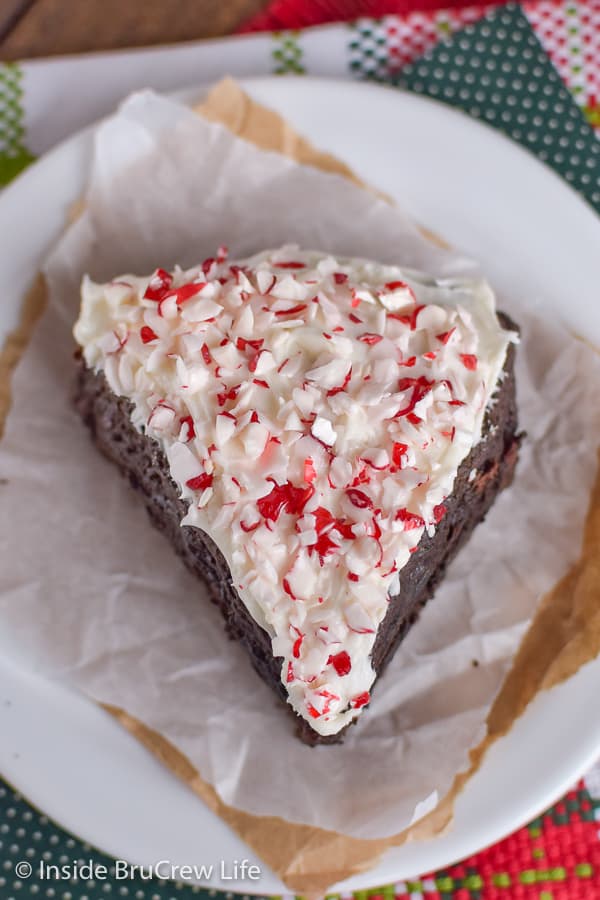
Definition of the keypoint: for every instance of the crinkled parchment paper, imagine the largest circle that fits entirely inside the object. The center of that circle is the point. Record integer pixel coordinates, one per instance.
(92, 595)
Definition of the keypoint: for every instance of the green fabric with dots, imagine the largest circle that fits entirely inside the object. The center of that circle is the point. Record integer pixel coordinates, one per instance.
(497, 71)
(561, 838)
(28, 837)
(14, 156)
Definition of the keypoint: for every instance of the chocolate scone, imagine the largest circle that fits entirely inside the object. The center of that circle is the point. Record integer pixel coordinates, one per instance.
(321, 505)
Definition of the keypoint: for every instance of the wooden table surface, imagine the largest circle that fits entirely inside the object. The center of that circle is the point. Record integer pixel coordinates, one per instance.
(47, 27)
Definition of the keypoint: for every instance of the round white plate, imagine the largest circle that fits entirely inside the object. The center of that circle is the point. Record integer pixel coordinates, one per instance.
(535, 238)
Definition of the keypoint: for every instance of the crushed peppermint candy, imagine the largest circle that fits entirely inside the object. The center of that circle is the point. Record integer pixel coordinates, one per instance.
(314, 412)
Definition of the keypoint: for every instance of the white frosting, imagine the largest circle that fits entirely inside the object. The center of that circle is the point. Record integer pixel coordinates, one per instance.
(314, 413)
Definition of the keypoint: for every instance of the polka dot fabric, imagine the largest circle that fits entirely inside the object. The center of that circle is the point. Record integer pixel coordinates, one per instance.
(569, 31)
(502, 75)
(555, 857)
(495, 69)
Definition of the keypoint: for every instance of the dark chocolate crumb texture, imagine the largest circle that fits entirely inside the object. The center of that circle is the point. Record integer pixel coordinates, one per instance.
(316, 437)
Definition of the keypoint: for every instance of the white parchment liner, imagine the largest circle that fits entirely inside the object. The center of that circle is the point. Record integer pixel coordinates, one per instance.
(90, 594)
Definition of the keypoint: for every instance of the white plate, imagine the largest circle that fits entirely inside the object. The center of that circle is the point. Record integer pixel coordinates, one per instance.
(534, 237)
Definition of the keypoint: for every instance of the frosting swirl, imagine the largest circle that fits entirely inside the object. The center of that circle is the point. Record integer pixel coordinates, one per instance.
(314, 412)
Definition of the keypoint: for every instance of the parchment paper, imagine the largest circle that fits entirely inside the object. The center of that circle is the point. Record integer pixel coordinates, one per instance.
(100, 601)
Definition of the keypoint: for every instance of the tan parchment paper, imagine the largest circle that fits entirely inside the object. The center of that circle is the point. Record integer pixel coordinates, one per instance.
(98, 600)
